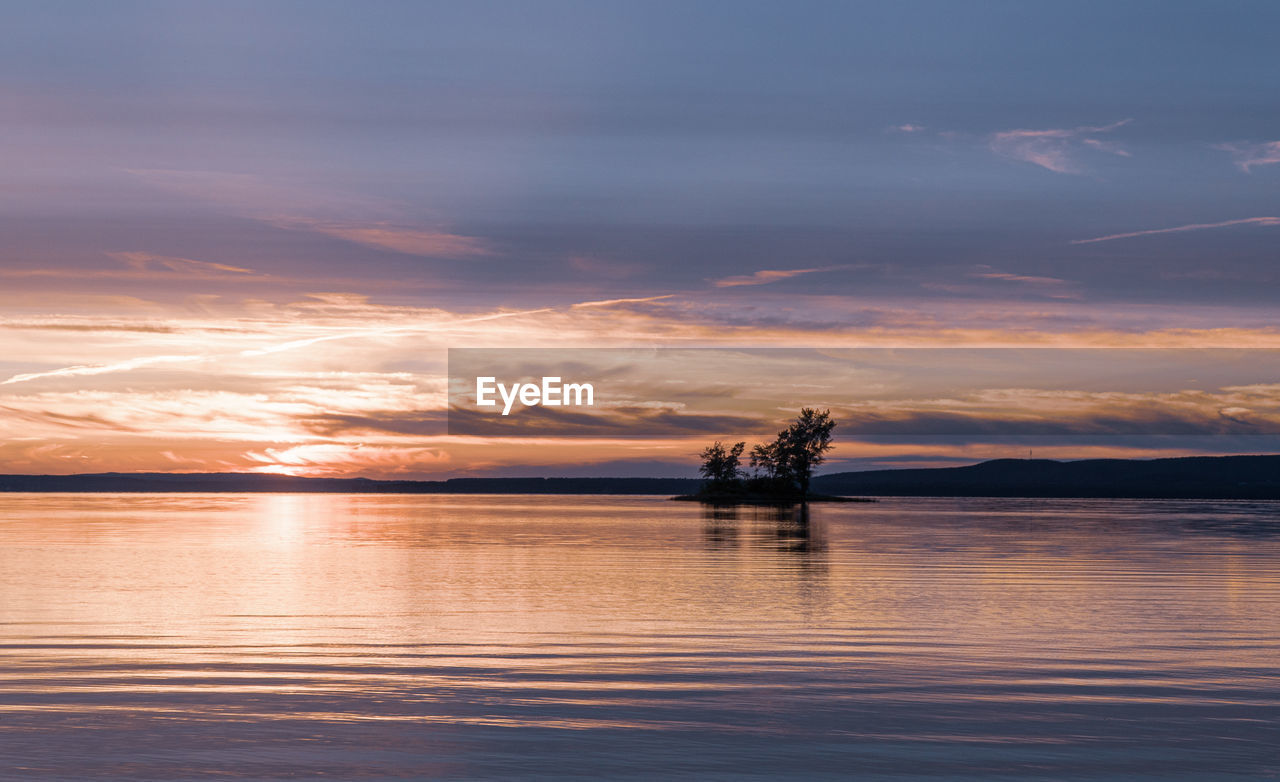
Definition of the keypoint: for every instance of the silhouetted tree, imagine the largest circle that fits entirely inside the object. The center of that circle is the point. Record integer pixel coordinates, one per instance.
(804, 444)
(783, 468)
(720, 466)
(788, 462)
(770, 467)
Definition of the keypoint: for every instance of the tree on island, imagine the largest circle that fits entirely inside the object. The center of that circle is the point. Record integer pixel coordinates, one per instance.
(784, 468)
(722, 467)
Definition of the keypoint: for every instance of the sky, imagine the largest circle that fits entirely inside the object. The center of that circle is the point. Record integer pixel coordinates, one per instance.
(241, 236)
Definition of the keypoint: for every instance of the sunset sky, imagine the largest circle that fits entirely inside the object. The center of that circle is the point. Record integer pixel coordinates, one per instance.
(241, 236)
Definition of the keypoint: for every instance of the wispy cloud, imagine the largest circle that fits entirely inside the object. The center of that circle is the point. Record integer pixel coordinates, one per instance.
(297, 344)
(907, 127)
(613, 302)
(1068, 411)
(102, 369)
(364, 220)
(1106, 146)
(1020, 278)
(144, 266)
(766, 276)
(1052, 287)
(386, 332)
(1055, 148)
(1182, 228)
(143, 261)
(1248, 155)
(386, 236)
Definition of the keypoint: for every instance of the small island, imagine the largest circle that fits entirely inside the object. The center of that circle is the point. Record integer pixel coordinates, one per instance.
(781, 471)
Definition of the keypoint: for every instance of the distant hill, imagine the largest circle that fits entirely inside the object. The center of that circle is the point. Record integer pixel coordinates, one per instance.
(1207, 477)
(1197, 477)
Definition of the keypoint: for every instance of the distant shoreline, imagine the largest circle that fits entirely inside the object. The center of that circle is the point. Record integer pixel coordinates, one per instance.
(1198, 477)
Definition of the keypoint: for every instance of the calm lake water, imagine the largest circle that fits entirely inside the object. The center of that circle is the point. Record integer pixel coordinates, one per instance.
(181, 637)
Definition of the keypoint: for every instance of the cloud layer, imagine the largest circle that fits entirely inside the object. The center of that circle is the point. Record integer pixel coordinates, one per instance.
(339, 384)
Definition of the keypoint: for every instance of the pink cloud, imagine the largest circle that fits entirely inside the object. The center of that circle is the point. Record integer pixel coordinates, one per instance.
(1054, 148)
(1249, 155)
(766, 276)
(1051, 286)
(1106, 146)
(410, 241)
(360, 219)
(145, 261)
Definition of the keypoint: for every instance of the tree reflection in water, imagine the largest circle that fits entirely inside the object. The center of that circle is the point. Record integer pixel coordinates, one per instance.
(780, 528)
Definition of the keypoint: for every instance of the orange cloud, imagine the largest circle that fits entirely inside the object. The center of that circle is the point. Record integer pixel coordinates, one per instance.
(237, 385)
(615, 302)
(101, 369)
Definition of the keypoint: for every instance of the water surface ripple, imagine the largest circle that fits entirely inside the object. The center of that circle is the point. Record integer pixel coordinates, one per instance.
(191, 637)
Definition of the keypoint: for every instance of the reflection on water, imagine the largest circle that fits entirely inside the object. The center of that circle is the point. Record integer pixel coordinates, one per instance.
(405, 637)
(776, 528)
